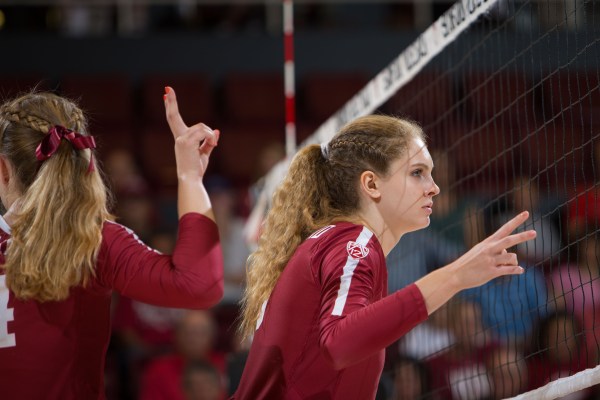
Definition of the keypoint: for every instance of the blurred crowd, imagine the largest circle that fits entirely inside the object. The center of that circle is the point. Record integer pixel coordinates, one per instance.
(71, 18)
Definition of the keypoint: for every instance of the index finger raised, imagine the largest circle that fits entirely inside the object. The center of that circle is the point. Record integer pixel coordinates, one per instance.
(174, 119)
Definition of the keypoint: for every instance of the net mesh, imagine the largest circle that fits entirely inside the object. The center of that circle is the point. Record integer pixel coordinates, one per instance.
(512, 110)
(511, 105)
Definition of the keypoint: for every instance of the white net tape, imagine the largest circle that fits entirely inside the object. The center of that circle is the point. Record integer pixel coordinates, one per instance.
(564, 386)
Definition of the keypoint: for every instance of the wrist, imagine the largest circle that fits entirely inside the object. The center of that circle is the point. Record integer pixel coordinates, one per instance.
(453, 279)
(189, 178)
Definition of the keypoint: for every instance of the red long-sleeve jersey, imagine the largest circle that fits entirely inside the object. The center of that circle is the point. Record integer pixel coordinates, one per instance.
(56, 350)
(328, 320)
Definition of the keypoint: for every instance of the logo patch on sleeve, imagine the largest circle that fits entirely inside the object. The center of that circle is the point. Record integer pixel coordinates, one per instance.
(357, 250)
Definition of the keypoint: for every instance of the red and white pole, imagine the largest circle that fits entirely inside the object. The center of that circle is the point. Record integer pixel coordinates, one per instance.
(289, 77)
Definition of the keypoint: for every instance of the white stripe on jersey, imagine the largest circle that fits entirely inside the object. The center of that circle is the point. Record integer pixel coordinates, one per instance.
(261, 315)
(4, 225)
(134, 235)
(346, 277)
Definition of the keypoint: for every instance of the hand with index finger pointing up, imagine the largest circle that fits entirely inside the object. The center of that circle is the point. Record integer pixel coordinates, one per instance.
(193, 146)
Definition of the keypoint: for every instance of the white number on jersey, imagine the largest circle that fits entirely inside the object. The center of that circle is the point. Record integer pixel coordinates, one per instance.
(6, 315)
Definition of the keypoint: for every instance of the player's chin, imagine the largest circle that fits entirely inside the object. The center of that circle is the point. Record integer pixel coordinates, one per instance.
(420, 224)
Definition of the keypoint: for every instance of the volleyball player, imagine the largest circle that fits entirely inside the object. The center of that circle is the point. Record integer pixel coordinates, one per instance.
(316, 300)
(62, 256)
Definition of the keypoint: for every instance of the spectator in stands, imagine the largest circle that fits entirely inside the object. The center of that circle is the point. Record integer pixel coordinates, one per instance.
(583, 210)
(512, 305)
(575, 288)
(410, 379)
(429, 338)
(558, 351)
(526, 193)
(194, 341)
(124, 174)
(507, 372)
(457, 371)
(202, 381)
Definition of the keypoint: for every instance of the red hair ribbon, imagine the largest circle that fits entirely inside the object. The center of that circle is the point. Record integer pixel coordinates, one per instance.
(50, 142)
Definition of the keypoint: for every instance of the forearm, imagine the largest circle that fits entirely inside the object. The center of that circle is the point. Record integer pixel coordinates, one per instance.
(438, 287)
(364, 332)
(192, 197)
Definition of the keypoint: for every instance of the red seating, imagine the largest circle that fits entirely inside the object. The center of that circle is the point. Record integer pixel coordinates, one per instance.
(107, 100)
(254, 98)
(322, 94)
(424, 99)
(156, 149)
(194, 95)
(558, 151)
(576, 94)
(239, 153)
(504, 96)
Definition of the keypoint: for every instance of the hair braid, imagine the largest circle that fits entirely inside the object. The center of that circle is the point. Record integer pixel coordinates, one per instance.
(31, 121)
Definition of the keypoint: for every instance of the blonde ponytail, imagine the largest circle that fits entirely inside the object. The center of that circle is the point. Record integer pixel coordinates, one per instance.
(57, 231)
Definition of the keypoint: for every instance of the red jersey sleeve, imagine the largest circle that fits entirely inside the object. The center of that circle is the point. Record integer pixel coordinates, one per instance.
(356, 318)
(192, 277)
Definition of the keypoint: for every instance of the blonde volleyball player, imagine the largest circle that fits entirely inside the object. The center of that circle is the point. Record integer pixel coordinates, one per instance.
(61, 256)
(316, 301)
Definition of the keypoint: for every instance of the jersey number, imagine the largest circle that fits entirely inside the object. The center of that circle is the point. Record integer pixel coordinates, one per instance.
(6, 315)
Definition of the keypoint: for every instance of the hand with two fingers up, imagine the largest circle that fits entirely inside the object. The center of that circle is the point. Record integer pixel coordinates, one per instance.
(487, 260)
(490, 258)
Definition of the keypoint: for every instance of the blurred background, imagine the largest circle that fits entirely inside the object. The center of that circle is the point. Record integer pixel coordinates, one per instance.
(225, 61)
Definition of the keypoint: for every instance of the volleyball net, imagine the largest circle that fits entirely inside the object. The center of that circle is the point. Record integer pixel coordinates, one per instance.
(508, 93)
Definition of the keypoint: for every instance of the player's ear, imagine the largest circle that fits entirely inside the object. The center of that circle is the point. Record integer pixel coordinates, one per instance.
(6, 171)
(6, 176)
(369, 184)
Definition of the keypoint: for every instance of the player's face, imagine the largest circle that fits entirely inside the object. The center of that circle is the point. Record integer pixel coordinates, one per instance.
(407, 193)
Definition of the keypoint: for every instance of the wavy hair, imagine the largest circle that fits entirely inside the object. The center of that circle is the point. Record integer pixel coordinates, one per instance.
(57, 231)
(317, 191)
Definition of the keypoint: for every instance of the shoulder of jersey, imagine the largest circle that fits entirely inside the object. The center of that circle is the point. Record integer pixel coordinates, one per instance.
(351, 236)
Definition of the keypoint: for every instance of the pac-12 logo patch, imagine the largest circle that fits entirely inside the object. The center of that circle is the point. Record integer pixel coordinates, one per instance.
(356, 250)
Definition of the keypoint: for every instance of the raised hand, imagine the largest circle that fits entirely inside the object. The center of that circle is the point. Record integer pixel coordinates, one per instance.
(487, 260)
(193, 144)
(490, 259)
